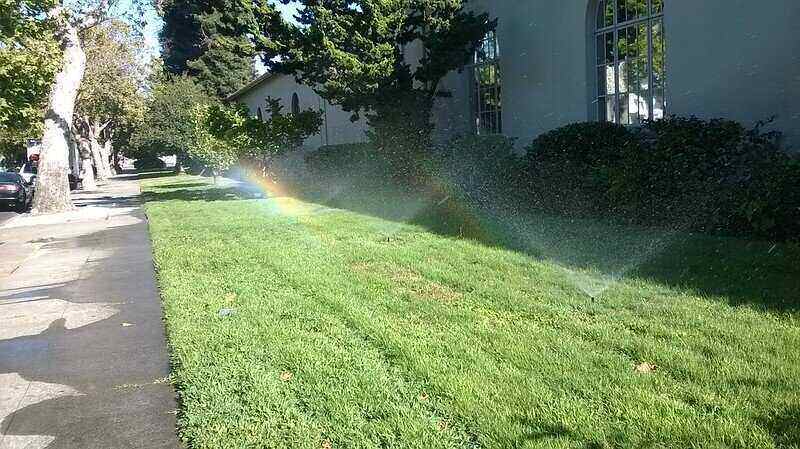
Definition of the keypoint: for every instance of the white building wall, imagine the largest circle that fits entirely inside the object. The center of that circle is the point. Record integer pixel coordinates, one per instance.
(337, 128)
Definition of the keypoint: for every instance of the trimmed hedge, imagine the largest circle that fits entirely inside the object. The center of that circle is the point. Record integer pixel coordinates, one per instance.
(703, 175)
(683, 173)
(343, 160)
(569, 170)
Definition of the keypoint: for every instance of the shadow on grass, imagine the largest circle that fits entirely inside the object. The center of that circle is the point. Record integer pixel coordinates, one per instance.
(151, 174)
(186, 185)
(758, 274)
(761, 275)
(194, 194)
(784, 427)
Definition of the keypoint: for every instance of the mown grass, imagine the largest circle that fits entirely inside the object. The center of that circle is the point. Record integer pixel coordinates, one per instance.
(352, 331)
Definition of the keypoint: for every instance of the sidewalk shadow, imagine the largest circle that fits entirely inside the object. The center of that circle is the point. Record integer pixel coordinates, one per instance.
(116, 360)
(101, 416)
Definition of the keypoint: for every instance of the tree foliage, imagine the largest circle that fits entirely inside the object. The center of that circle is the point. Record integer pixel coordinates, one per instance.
(354, 54)
(355, 50)
(29, 59)
(227, 134)
(167, 126)
(217, 143)
(210, 41)
(110, 93)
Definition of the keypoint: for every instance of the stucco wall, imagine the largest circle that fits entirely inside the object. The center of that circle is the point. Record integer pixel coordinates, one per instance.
(336, 128)
(543, 47)
(735, 59)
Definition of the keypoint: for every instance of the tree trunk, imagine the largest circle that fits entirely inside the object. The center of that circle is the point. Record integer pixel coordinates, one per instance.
(106, 151)
(52, 185)
(101, 162)
(117, 166)
(179, 160)
(87, 172)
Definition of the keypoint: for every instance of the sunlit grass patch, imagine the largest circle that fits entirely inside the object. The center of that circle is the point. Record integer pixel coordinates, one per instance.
(366, 333)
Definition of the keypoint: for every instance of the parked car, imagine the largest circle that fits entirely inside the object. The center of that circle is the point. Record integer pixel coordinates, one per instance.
(29, 170)
(15, 191)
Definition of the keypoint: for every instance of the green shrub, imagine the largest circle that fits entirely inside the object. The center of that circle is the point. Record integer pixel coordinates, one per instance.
(708, 175)
(704, 175)
(569, 169)
(400, 130)
(149, 163)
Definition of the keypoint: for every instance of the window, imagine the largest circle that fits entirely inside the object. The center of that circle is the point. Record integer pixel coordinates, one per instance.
(295, 104)
(486, 83)
(631, 72)
(260, 114)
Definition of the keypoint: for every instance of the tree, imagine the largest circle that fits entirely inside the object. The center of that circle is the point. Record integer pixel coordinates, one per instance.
(279, 134)
(216, 145)
(29, 58)
(209, 41)
(352, 52)
(109, 98)
(168, 125)
(69, 20)
(227, 134)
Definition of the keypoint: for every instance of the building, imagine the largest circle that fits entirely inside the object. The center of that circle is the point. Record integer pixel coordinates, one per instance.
(337, 128)
(551, 63)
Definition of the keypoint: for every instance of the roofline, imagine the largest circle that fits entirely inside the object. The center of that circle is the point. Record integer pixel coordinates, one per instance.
(261, 79)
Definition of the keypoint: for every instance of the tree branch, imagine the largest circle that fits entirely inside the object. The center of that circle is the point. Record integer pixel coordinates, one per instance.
(103, 126)
(94, 17)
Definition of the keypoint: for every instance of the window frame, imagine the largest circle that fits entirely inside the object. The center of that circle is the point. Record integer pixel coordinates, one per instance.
(478, 115)
(652, 18)
(295, 104)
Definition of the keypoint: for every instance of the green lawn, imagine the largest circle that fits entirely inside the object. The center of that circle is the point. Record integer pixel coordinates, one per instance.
(354, 331)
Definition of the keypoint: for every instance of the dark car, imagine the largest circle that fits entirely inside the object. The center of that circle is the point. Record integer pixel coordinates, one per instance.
(15, 192)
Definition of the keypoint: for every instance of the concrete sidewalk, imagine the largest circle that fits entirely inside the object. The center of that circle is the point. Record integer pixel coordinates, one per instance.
(83, 359)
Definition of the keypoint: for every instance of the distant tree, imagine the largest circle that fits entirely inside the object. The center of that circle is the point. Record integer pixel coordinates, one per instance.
(209, 40)
(217, 144)
(109, 99)
(12, 147)
(181, 36)
(167, 126)
(353, 53)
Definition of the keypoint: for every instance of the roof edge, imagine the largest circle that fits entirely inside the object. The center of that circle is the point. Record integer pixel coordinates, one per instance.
(264, 77)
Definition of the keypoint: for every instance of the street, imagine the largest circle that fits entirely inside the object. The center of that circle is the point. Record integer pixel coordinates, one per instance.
(6, 215)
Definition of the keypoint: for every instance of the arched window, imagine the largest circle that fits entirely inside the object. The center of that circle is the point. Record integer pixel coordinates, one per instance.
(260, 114)
(631, 70)
(486, 86)
(295, 104)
